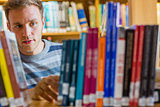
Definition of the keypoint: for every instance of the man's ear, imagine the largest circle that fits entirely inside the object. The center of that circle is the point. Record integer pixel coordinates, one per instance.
(43, 21)
(8, 25)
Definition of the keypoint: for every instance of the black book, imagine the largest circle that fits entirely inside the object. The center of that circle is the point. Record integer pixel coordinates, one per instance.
(129, 35)
(152, 65)
(145, 64)
(3, 96)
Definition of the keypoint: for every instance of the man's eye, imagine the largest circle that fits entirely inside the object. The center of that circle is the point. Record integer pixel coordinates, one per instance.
(18, 26)
(33, 23)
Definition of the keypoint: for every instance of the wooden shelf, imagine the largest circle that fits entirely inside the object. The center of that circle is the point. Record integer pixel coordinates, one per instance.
(2, 1)
(58, 37)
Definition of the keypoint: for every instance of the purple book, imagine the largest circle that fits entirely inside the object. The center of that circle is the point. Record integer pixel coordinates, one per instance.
(94, 67)
(87, 73)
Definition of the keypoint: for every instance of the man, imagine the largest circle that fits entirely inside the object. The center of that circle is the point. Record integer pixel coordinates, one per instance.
(40, 58)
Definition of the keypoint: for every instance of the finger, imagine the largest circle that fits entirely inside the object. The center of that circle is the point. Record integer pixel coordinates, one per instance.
(54, 84)
(41, 93)
(46, 97)
(48, 91)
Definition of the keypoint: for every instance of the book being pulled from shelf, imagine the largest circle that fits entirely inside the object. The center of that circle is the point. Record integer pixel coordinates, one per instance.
(12, 66)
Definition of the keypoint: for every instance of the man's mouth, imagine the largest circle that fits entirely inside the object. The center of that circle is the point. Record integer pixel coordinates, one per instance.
(27, 41)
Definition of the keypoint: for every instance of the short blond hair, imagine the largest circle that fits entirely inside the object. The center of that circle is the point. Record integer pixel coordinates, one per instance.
(15, 4)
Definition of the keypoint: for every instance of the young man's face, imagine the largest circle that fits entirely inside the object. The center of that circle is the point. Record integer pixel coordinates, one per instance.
(27, 24)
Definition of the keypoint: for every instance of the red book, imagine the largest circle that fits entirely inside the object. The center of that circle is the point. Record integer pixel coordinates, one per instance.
(134, 64)
(88, 65)
(94, 68)
(139, 65)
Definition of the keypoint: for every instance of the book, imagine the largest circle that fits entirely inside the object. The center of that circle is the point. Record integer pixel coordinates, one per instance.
(129, 35)
(80, 72)
(152, 62)
(67, 72)
(94, 67)
(72, 89)
(100, 75)
(5, 85)
(134, 65)
(15, 68)
(88, 70)
(82, 17)
(6, 78)
(63, 58)
(109, 28)
(145, 63)
(120, 57)
(139, 64)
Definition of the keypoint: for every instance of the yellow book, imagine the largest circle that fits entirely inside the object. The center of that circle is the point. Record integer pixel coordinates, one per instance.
(5, 76)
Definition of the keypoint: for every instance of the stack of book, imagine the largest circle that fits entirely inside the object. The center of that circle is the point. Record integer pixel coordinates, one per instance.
(13, 87)
(117, 69)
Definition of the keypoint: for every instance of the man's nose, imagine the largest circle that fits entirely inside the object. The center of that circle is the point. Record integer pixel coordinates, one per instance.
(26, 31)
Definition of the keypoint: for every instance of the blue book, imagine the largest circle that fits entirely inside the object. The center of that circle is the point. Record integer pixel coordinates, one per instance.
(67, 73)
(109, 28)
(74, 74)
(114, 52)
(81, 66)
(60, 95)
(127, 16)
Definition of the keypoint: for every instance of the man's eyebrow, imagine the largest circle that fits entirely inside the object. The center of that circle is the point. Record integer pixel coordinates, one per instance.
(17, 23)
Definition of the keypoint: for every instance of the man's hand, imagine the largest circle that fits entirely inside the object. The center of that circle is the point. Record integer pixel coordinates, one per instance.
(47, 89)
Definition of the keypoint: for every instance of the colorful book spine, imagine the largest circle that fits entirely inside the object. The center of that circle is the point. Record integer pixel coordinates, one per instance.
(66, 6)
(81, 65)
(129, 35)
(6, 78)
(76, 16)
(139, 65)
(134, 64)
(151, 75)
(88, 65)
(101, 68)
(3, 95)
(82, 17)
(120, 57)
(113, 54)
(60, 95)
(94, 67)
(92, 16)
(67, 73)
(74, 74)
(71, 19)
(145, 64)
(109, 28)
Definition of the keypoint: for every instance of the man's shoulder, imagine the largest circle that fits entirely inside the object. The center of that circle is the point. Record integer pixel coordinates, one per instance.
(53, 46)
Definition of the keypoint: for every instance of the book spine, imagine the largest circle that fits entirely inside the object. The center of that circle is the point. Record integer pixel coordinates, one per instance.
(94, 67)
(108, 55)
(5, 77)
(60, 95)
(82, 17)
(113, 54)
(68, 68)
(101, 66)
(71, 19)
(81, 65)
(139, 64)
(151, 75)
(145, 63)
(3, 96)
(134, 63)
(74, 74)
(66, 6)
(92, 16)
(119, 67)
(76, 16)
(128, 65)
(9, 61)
(88, 65)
